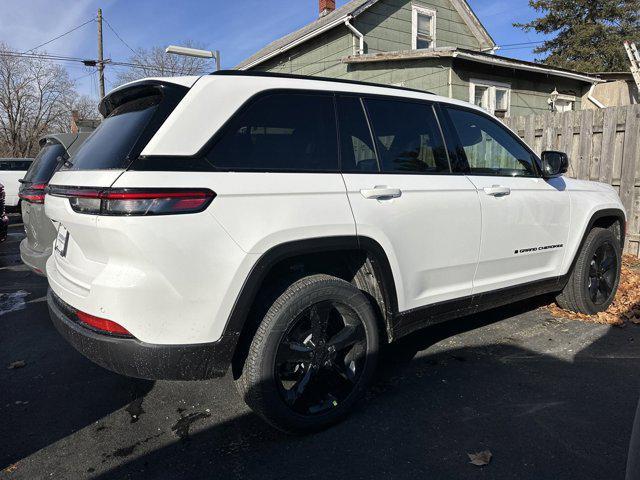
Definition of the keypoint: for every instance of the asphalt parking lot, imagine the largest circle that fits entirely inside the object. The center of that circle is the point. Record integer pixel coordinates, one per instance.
(549, 398)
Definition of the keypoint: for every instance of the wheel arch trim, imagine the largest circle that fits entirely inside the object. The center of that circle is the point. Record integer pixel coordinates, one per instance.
(616, 213)
(272, 257)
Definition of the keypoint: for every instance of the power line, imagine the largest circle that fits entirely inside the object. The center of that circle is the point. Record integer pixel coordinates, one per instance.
(60, 36)
(82, 76)
(117, 35)
(87, 62)
(520, 44)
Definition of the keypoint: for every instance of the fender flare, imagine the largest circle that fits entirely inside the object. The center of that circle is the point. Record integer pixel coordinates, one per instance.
(607, 212)
(244, 301)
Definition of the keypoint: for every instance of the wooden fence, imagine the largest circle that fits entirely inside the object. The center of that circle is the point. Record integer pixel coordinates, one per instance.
(603, 145)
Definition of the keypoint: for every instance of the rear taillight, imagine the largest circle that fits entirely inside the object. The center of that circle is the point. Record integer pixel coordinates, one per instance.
(134, 201)
(33, 193)
(102, 324)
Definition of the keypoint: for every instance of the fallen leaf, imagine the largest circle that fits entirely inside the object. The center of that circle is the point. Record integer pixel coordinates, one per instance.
(481, 458)
(16, 364)
(11, 468)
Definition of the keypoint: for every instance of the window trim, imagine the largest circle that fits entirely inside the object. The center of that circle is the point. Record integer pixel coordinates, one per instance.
(199, 163)
(420, 10)
(453, 134)
(492, 86)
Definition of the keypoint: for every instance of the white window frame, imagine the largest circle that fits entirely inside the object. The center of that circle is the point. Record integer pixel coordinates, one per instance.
(415, 10)
(491, 86)
(567, 100)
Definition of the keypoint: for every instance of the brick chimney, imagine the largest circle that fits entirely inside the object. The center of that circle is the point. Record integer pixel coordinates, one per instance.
(326, 7)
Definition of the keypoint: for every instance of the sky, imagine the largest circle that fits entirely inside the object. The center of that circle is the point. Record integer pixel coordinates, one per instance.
(236, 28)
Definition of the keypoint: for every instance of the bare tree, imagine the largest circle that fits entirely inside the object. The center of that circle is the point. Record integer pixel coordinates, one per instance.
(155, 62)
(36, 98)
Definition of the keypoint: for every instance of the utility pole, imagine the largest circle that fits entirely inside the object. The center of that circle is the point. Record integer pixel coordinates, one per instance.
(100, 63)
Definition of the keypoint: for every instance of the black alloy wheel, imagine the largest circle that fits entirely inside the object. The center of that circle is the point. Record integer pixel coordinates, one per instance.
(320, 358)
(602, 274)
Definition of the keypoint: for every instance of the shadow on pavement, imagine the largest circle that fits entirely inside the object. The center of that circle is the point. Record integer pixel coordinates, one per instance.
(57, 392)
(556, 414)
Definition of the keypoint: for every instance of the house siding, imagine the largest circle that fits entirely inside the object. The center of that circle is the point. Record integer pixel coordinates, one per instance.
(529, 93)
(387, 27)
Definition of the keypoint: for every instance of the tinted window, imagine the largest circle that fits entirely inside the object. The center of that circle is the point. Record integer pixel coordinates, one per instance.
(112, 142)
(281, 131)
(490, 148)
(15, 165)
(45, 164)
(407, 137)
(356, 144)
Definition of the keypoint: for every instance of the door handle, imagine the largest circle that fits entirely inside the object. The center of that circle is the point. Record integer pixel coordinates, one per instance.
(497, 190)
(379, 192)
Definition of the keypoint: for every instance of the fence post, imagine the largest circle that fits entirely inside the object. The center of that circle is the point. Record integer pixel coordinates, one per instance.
(629, 159)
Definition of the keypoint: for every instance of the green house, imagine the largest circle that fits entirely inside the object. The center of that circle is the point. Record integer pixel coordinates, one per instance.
(434, 45)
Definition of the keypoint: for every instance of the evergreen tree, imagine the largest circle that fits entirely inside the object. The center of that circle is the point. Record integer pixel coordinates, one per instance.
(588, 33)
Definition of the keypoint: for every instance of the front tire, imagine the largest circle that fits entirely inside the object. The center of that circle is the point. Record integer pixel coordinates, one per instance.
(313, 355)
(594, 281)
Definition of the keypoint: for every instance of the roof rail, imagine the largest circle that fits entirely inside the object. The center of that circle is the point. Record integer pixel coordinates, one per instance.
(254, 73)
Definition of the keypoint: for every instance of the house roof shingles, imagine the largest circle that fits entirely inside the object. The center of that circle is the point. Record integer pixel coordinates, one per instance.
(347, 9)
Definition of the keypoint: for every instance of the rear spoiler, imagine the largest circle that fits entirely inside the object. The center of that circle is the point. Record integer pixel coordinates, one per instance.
(142, 88)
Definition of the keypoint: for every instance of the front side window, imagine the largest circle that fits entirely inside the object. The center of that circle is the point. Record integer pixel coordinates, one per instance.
(281, 131)
(493, 97)
(356, 145)
(423, 28)
(490, 148)
(407, 137)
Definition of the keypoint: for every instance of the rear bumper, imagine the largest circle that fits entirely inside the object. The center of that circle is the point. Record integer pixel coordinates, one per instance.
(133, 358)
(36, 261)
(4, 226)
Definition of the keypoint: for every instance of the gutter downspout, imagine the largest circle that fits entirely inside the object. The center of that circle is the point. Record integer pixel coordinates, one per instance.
(593, 99)
(358, 34)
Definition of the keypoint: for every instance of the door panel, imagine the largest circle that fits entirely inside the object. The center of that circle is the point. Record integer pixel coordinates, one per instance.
(525, 218)
(426, 219)
(430, 232)
(523, 233)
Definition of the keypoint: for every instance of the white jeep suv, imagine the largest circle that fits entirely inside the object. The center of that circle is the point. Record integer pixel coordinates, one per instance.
(286, 227)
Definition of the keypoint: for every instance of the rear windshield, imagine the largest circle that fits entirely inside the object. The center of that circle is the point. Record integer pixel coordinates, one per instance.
(44, 166)
(127, 128)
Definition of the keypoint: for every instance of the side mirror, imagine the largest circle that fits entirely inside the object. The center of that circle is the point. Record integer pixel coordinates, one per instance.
(554, 164)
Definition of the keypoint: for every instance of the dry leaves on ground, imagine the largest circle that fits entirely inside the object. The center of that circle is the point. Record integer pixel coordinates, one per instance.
(626, 305)
(481, 458)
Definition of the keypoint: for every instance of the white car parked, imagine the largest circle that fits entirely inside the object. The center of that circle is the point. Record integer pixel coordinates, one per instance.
(12, 170)
(288, 226)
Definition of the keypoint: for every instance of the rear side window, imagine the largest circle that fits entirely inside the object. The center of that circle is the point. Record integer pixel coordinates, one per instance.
(135, 115)
(280, 132)
(407, 137)
(45, 163)
(356, 145)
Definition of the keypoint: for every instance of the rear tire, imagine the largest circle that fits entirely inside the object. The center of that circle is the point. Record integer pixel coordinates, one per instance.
(594, 281)
(313, 355)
